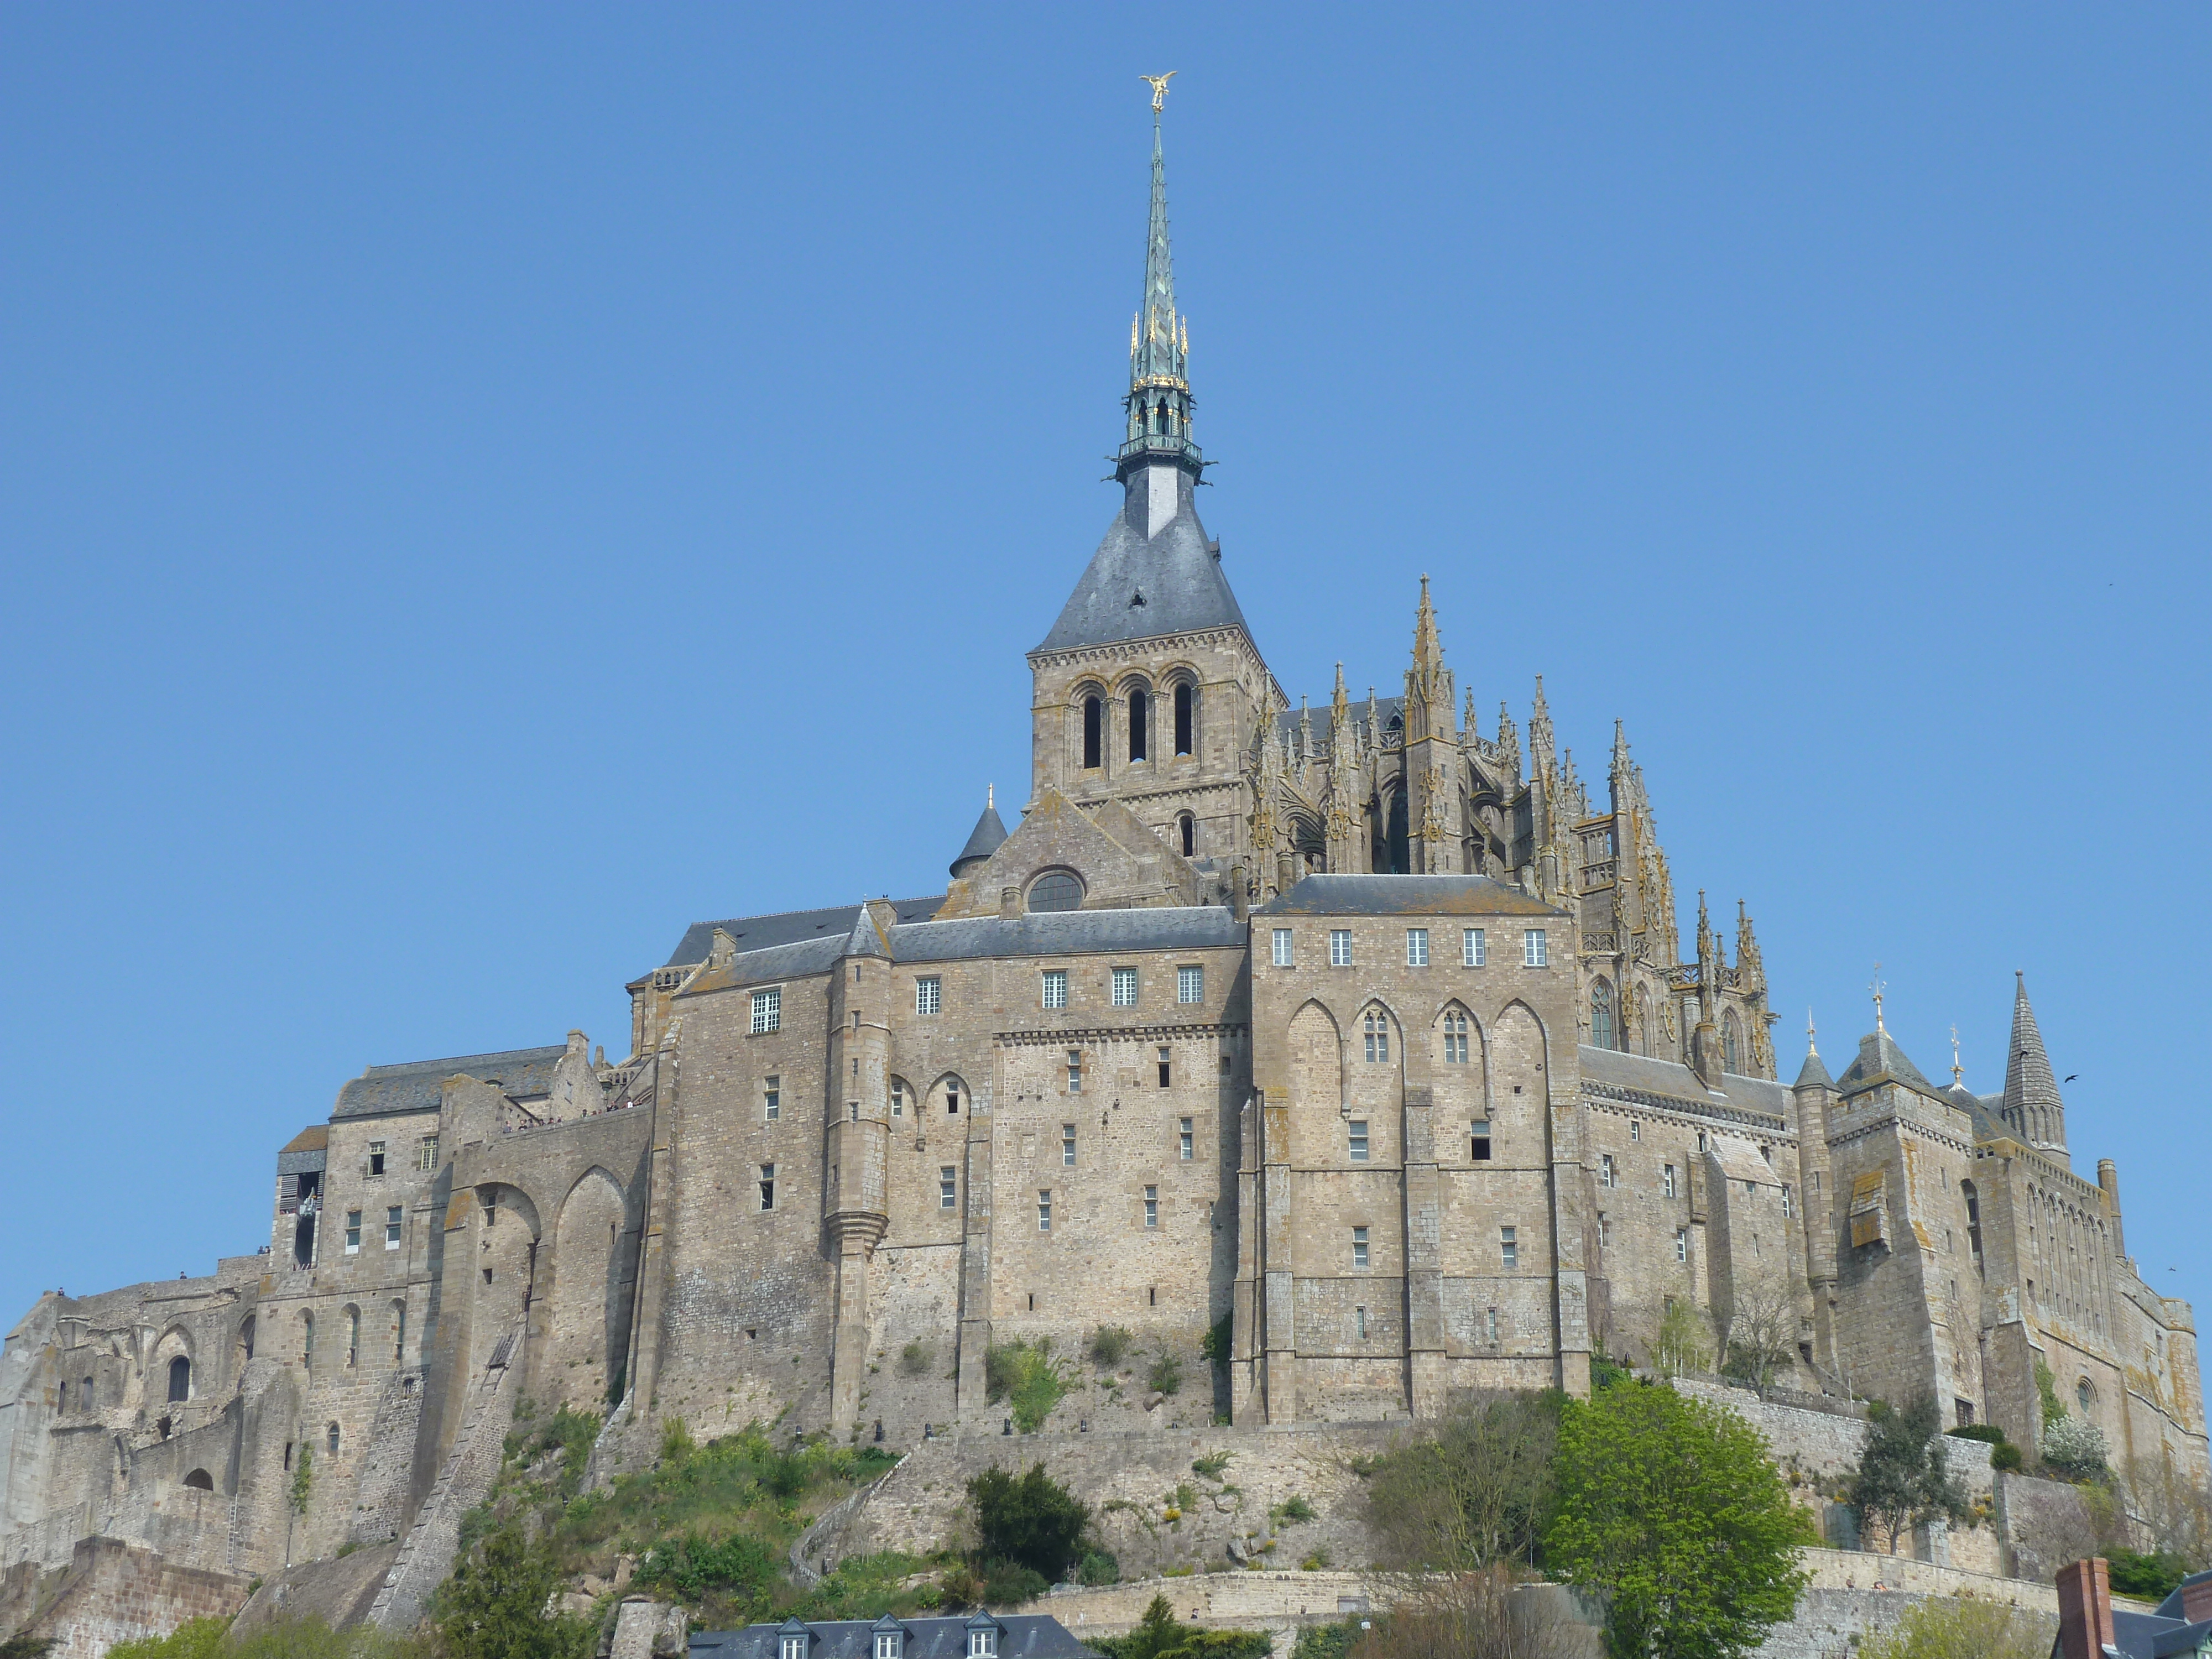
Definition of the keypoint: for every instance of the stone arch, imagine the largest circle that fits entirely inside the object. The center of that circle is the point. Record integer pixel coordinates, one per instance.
(1315, 1078)
(180, 1379)
(1137, 701)
(243, 1349)
(351, 1315)
(904, 1101)
(1603, 1018)
(949, 1096)
(588, 1335)
(175, 1343)
(1089, 724)
(1380, 1033)
(200, 1481)
(500, 1198)
(1179, 706)
(1519, 1066)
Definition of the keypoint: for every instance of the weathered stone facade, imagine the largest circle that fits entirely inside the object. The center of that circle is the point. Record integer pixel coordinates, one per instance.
(1341, 1061)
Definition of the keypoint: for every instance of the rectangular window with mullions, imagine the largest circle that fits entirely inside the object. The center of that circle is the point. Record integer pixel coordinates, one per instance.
(1359, 1249)
(768, 1012)
(1282, 943)
(1534, 949)
(948, 1196)
(1125, 987)
(353, 1233)
(1339, 947)
(1044, 1209)
(1358, 1140)
(1417, 947)
(1055, 987)
(1190, 985)
(928, 994)
(1067, 1145)
(1474, 949)
(393, 1218)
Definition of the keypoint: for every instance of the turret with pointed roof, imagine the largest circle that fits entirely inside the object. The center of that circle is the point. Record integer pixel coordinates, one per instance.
(2031, 1107)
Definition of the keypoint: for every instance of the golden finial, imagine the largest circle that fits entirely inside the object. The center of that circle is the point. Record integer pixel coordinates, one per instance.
(1133, 333)
(1877, 987)
(1810, 1048)
(1958, 1072)
(1159, 85)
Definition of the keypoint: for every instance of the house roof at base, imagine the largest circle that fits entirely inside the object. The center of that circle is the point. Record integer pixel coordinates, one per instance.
(1651, 1076)
(2153, 1636)
(789, 928)
(413, 1086)
(1022, 1636)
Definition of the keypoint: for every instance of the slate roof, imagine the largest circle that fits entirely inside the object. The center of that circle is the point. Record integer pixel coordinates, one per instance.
(2154, 1635)
(985, 839)
(1666, 1077)
(387, 1090)
(757, 932)
(1177, 572)
(1068, 934)
(1880, 1057)
(1814, 1070)
(1022, 1636)
(1405, 895)
(2031, 1092)
(1739, 1160)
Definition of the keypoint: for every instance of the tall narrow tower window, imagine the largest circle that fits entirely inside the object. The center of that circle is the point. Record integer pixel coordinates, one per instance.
(1187, 827)
(1139, 706)
(1094, 725)
(1186, 718)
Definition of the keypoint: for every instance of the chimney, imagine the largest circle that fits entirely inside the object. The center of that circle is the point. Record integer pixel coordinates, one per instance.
(2084, 1611)
(1236, 896)
(1009, 903)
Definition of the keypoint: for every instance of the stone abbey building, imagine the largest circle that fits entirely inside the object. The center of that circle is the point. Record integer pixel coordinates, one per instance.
(1348, 1046)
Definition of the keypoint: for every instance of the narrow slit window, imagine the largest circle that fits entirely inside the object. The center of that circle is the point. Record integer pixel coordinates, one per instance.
(1185, 719)
(1151, 1206)
(1667, 1181)
(1361, 1315)
(1139, 708)
(1606, 1176)
(1184, 1141)
(768, 1186)
(948, 1196)
(1681, 1243)
(1093, 732)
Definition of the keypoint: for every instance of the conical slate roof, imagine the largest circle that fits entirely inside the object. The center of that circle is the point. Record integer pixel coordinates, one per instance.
(983, 840)
(1139, 586)
(1814, 1071)
(1880, 1057)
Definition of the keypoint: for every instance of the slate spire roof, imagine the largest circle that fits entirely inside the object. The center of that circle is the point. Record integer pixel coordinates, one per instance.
(1156, 572)
(2031, 1105)
(984, 839)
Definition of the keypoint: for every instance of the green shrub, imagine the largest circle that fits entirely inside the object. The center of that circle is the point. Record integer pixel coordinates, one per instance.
(1606, 1371)
(676, 1442)
(1166, 1375)
(1215, 1346)
(1989, 1432)
(1211, 1464)
(1030, 1520)
(2006, 1459)
(303, 1477)
(1159, 1637)
(1009, 1584)
(1024, 1375)
(493, 1606)
(2146, 1577)
(736, 1571)
(1099, 1567)
(1108, 1343)
(1326, 1641)
(914, 1357)
(1961, 1627)
(1292, 1510)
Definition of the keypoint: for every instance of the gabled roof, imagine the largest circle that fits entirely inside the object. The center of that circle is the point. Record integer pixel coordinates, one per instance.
(1138, 587)
(787, 927)
(383, 1090)
(1405, 895)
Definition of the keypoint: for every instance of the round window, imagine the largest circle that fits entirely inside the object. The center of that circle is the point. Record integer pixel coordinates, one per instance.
(1055, 889)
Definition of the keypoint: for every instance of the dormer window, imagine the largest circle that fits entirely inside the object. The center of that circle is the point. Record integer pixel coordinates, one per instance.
(982, 1644)
(794, 1647)
(887, 1644)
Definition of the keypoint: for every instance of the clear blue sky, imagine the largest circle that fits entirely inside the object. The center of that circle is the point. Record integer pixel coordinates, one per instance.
(485, 487)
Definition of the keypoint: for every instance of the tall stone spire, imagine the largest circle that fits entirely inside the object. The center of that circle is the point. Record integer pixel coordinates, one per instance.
(1160, 402)
(2031, 1105)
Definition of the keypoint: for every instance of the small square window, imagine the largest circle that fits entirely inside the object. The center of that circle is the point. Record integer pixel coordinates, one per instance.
(1534, 950)
(375, 1157)
(768, 1012)
(1359, 1140)
(1183, 1141)
(1151, 1206)
(772, 1097)
(1339, 947)
(1417, 947)
(948, 1196)
(1067, 1145)
(928, 994)
(1474, 949)
(1282, 947)
(768, 1186)
(1044, 1209)
(1075, 1071)
(1190, 985)
(353, 1233)
(1508, 1248)
(1359, 1249)
(1480, 1135)
(1635, 1130)
(393, 1219)
(1055, 987)
(1125, 987)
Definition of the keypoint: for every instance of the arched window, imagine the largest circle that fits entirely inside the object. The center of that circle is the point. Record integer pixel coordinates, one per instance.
(1731, 1043)
(246, 1339)
(334, 1439)
(1187, 827)
(1055, 889)
(2086, 1395)
(200, 1481)
(1139, 706)
(1186, 705)
(1377, 1032)
(180, 1378)
(1094, 732)
(1455, 1037)
(1601, 1015)
(353, 1338)
(307, 1340)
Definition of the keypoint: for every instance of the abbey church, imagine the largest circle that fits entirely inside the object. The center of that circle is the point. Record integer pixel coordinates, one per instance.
(1346, 1055)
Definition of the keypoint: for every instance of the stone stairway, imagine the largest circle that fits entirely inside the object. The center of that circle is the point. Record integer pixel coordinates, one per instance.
(470, 1467)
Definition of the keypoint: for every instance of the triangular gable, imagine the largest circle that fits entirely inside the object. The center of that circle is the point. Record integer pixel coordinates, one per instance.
(1121, 861)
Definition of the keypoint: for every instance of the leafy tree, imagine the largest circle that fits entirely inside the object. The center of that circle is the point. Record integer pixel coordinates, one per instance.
(1157, 1635)
(493, 1606)
(1903, 1479)
(1961, 1628)
(1030, 1520)
(37, 1647)
(1669, 1511)
(1476, 1490)
(2147, 1578)
(2075, 1447)
(1681, 1342)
